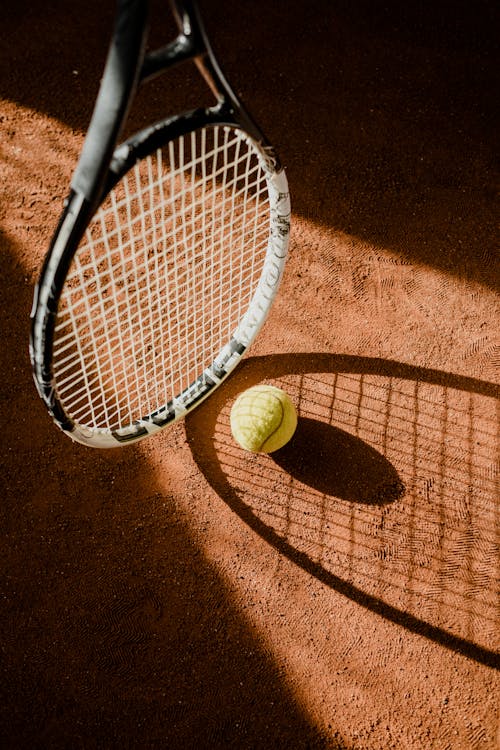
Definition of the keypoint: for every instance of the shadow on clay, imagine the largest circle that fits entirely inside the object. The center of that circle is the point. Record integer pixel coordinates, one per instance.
(115, 625)
(406, 529)
(376, 151)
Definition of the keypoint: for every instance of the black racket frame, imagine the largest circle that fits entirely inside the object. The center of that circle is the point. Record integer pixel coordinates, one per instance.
(102, 163)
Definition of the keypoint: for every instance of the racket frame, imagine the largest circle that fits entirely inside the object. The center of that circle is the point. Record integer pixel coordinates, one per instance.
(102, 164)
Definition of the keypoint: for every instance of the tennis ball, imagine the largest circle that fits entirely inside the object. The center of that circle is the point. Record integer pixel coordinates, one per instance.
(263, 419)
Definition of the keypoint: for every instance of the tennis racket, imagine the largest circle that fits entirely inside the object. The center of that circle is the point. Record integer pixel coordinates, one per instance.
(168, 253)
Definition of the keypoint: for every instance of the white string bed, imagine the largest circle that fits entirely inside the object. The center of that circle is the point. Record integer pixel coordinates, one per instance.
(164, 274)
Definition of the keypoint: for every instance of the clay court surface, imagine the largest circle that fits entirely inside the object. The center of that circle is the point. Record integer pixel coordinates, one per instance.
(343, 592)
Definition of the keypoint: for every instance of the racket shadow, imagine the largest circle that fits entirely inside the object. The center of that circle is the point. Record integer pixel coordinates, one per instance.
(421, 552)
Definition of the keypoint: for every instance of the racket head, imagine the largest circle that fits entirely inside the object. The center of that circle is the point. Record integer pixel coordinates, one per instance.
(147, 304)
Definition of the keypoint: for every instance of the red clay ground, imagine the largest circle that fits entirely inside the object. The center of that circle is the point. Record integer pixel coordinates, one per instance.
(343, 592)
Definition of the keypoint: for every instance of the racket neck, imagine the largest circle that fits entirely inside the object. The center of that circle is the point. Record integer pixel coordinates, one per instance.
(119, 82)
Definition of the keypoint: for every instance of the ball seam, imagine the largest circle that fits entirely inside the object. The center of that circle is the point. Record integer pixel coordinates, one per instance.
(278, 426)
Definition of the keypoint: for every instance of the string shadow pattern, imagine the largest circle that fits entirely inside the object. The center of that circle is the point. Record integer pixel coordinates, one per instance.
(387, 492)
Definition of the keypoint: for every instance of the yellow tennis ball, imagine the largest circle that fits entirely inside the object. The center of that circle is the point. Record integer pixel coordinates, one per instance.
(263, 419)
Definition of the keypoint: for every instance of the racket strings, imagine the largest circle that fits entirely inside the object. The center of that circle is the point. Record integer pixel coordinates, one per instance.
(167, 269)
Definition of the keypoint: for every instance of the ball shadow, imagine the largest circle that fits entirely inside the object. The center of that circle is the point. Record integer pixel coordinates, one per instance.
(338, 464)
